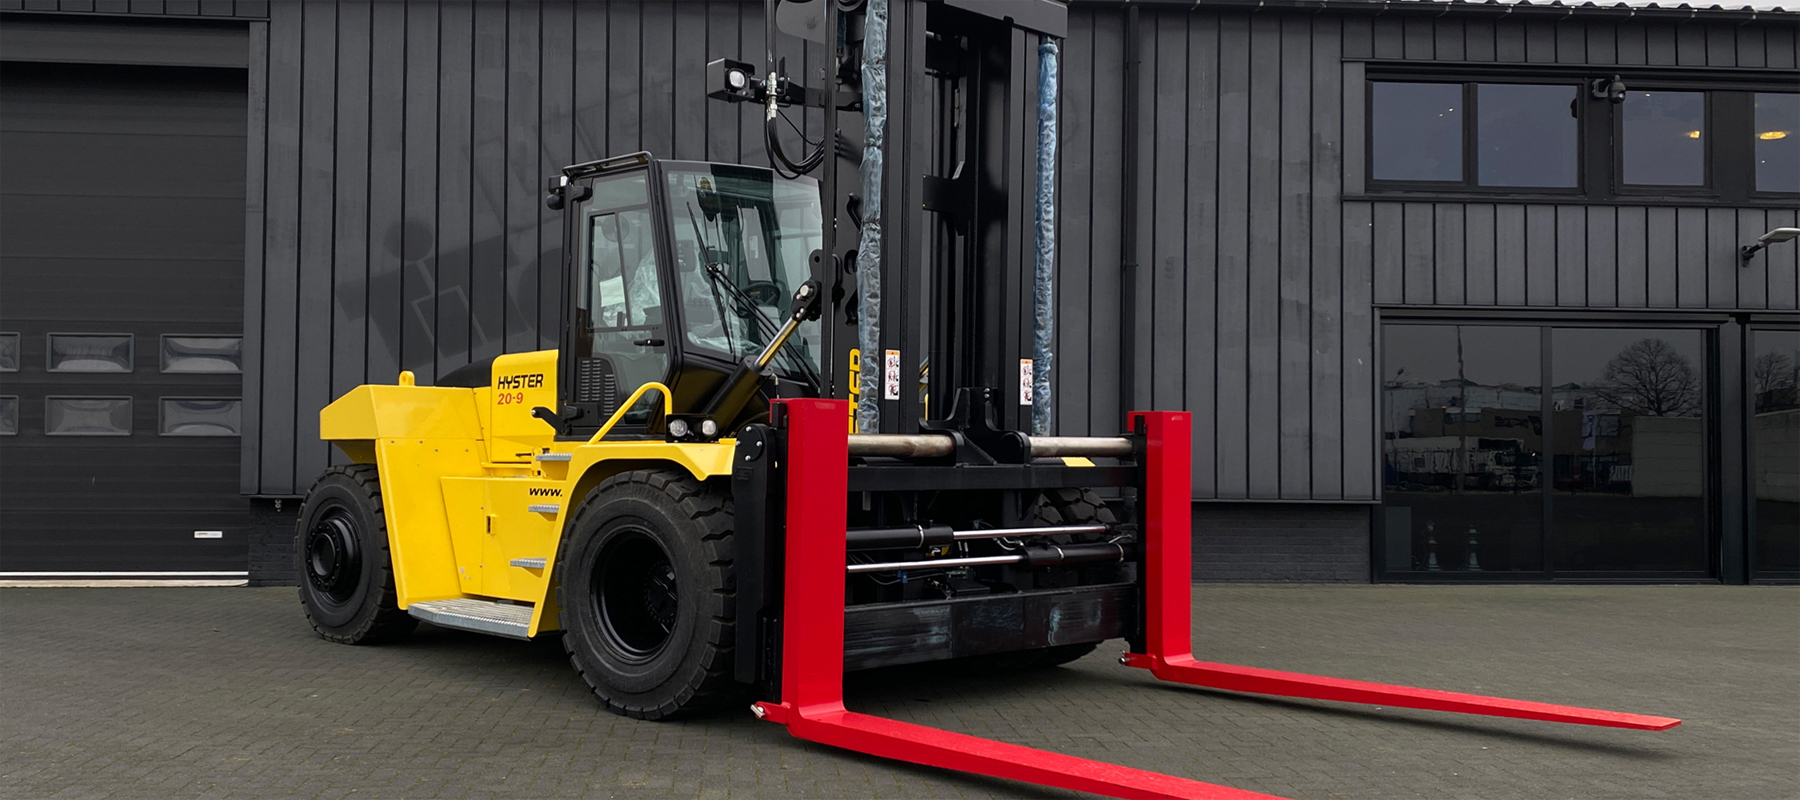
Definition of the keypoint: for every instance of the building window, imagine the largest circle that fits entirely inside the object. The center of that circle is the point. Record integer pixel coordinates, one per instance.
(209, 354)
(9, 415)
(1524, 135)
(1559, 135)
(1544, 450)
(201, 416)
(88, 352)
(1527, 135)
(1776, 141)
(1663, 138)
(1416, 131)
(9, 352)
(87, 416)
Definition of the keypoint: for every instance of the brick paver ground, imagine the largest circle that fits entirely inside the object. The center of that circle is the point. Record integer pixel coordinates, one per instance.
(178, 693)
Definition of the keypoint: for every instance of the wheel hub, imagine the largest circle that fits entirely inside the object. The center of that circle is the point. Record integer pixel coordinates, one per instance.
(635, 596)
(333, 560)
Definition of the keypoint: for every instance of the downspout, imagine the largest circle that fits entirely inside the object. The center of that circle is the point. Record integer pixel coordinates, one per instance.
(1128, 216)
(868, 249)
(1044, 333)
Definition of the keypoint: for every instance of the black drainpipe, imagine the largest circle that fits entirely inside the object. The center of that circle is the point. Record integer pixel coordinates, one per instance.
(1128, 213)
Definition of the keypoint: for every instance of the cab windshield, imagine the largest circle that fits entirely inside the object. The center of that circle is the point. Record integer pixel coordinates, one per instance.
(742, 243)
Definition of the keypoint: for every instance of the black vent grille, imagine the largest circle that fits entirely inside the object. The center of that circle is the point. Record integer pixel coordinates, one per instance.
(596, 382)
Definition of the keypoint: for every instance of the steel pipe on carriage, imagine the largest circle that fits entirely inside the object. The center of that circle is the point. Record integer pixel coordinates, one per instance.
(919, 536)
(1020, 533)
(901, 445)
(1038, 556)
(1105, 446)
(930, 445)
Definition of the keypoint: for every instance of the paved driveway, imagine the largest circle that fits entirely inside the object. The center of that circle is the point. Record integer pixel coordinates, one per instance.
(165, 693)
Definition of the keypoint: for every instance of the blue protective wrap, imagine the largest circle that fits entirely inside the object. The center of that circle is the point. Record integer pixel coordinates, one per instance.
(1043, 268)
(868, 248)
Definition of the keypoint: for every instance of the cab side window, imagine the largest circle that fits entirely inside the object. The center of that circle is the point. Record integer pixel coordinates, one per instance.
(620, 332)
(622, 270)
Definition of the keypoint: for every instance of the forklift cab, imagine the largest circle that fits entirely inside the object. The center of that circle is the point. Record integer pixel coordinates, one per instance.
(676, 272)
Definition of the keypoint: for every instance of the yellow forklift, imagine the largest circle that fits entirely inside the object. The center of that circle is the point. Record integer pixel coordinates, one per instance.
(677, 495)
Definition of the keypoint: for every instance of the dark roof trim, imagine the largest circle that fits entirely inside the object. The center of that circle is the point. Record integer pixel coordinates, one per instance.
(1435, 8)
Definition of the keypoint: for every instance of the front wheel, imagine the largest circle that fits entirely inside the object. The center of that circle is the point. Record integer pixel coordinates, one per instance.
(646, 595)
(341, 552)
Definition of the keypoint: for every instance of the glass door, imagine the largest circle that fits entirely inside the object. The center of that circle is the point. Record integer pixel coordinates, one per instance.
(1462, 444)
(1775, 454)
(1629, 450)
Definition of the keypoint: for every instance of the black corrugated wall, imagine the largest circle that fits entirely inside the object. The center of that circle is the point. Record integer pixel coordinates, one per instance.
(395, 222)
(1260, 263)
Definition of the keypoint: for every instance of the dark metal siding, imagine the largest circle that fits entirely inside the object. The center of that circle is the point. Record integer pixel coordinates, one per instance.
(396, 214)
(1258, 282)
(394, 220)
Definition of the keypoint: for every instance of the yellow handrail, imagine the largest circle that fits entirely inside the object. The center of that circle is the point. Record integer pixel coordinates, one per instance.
(668, 408)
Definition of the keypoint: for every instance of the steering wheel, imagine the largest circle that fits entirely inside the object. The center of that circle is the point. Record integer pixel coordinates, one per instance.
(764, 293)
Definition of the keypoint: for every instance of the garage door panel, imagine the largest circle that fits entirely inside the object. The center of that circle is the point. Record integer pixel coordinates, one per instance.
(121, 212)
(116, 166)
(207, 228)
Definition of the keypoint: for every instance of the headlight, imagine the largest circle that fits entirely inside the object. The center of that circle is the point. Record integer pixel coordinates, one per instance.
(678, 428)
(708, 428)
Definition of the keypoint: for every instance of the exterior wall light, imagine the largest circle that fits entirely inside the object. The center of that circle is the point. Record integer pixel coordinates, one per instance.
(1777, 235)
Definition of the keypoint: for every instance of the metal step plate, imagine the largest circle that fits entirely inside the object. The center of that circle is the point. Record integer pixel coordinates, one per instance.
(481, 616)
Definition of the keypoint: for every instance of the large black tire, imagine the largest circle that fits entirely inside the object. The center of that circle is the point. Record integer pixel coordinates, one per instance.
(341, 554)
(646, 590)
(1069, 507)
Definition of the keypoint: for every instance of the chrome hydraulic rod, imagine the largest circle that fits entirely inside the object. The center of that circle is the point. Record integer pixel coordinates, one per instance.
(1019, 533)
(936, 563)
(931, 445)
(1034, 556)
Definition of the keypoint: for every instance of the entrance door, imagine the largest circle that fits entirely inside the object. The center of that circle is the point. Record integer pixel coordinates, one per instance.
(121, 319)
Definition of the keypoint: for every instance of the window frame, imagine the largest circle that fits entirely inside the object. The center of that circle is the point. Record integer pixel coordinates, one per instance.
(1749, 145)
(1470, 141)
(1712, 327)
(1730, 120)
(1709, 169)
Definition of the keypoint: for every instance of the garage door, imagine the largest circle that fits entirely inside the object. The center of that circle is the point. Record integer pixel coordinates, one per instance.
(121, 319)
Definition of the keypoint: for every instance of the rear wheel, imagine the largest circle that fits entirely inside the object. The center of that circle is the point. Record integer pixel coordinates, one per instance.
(341, 552)
(646, 595)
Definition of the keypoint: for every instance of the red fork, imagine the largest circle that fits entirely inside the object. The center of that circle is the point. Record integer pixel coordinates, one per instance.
(1168, 599)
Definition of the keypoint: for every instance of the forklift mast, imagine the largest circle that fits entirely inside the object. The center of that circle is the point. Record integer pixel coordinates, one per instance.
(956, 180)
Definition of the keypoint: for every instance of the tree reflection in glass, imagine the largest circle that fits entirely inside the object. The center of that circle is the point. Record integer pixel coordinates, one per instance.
(1629, 450)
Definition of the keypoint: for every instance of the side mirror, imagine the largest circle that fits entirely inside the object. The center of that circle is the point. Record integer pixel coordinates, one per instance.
(561, 192)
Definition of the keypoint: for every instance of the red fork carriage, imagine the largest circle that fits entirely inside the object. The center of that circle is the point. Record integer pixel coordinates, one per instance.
(810, 450)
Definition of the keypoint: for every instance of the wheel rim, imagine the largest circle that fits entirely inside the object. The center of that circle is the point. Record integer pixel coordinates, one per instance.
(333, 559)
(635, 595)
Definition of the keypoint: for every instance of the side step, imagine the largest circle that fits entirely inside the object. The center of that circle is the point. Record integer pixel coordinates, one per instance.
(481, 616)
